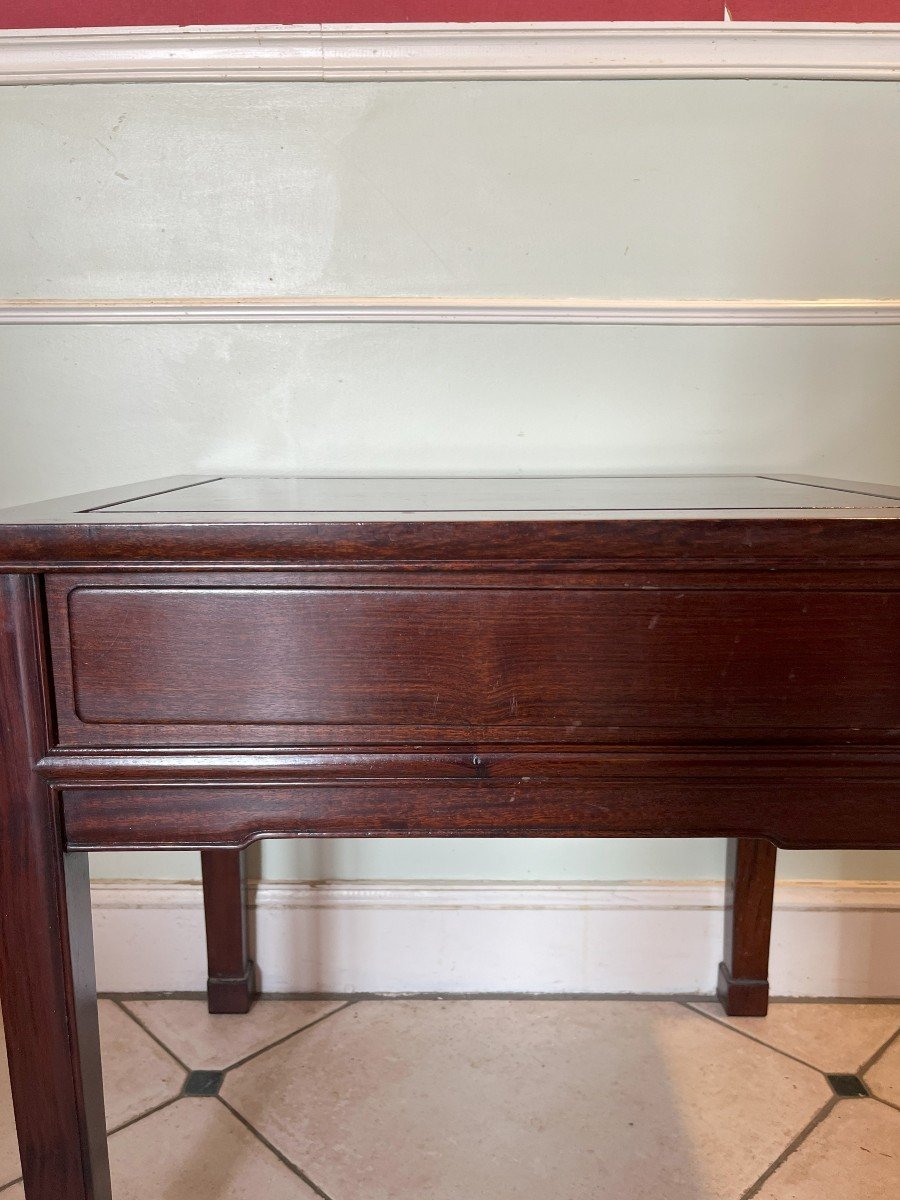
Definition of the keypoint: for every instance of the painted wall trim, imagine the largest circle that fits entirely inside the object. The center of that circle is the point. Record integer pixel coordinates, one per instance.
(594, 50)
(829, 939)
(427, 310)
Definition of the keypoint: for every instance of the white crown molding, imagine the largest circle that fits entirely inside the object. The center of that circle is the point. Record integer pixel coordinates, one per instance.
(547, 50)
(451, 310)
(829, 938)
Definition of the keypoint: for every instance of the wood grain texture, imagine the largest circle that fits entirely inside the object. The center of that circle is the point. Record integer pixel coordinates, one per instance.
(771, 762)
(792, 813)
(46, 947)
(743, 984)
(406, 661)
(244, 658)
(230, 987)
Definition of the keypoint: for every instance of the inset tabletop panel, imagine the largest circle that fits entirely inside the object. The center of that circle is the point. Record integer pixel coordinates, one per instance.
(472, 498)
(638, 520)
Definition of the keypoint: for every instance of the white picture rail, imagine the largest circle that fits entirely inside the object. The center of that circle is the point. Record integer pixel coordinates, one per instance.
(546, 50)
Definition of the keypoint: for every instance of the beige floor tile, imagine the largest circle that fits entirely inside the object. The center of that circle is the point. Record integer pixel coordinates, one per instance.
(137, 1073)
(884, 1078)
(521, 1100)
(137, 1076)
(194, 1150)
(212, 1043)
(837, 1038)
(853, 1155)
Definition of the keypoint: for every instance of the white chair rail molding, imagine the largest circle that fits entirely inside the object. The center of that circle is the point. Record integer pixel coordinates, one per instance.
(478, 50)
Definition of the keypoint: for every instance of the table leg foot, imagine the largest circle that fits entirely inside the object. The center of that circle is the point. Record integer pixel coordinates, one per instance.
(742, 997)
(232, 995)
(231, 985)
(743, 985)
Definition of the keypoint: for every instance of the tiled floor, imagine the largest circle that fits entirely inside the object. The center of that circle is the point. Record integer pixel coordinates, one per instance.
(496, 1100)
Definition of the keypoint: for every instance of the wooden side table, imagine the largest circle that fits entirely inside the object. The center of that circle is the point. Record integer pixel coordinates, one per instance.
(198, 663)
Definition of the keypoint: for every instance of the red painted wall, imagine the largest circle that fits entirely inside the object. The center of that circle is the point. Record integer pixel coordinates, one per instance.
(62, 14)
(815, 10)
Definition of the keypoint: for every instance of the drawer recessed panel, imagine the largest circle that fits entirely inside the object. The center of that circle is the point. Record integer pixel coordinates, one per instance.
(324, 665)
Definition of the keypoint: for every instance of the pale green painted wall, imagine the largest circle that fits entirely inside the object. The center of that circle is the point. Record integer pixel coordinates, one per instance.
(469, 858)
(614, 190)
(582, 188)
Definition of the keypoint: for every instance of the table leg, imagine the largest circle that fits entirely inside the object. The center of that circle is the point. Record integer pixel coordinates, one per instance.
(743, 987)
(46, 946)
(230, 987)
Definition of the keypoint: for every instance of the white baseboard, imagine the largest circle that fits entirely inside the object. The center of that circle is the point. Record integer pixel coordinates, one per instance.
(829, 939)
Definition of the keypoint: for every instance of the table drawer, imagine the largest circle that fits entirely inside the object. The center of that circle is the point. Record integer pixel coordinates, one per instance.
(255, 664)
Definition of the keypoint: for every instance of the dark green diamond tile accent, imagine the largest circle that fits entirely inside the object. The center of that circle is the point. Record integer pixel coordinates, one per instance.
(203, 1083)
(848, 1086)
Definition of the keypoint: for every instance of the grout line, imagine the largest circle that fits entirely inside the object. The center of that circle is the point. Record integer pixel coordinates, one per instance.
(801, 1137)
(287, 1037)
(149, 1113)
(833, 999)
(870, 1063)
(247, 1058)
(758, 1041)
(292, 1167)
(873, 1059)
(116, 1129)
(180, 1096)
(150, 1034)
(352, 997)
(792, 1147)
(127, 997)
(671, 997)
(686, 1003)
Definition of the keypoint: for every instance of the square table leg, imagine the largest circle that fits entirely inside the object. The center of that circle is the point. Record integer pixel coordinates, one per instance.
(231, 983)
(743, 986)
(46, 947)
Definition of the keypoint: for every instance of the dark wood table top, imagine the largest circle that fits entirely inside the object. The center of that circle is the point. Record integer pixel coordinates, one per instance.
(294, 518)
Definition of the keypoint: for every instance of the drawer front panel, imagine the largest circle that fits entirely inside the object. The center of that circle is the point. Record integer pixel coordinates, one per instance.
(315, 665)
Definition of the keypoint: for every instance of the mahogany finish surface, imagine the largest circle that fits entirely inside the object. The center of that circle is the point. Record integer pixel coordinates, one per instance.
(202, 662)
(743, 985)
(46, 942)
(230, 987)
(668, 521)
(568, 660)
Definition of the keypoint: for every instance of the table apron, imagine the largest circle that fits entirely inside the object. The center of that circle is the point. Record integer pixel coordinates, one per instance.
(792, 811)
